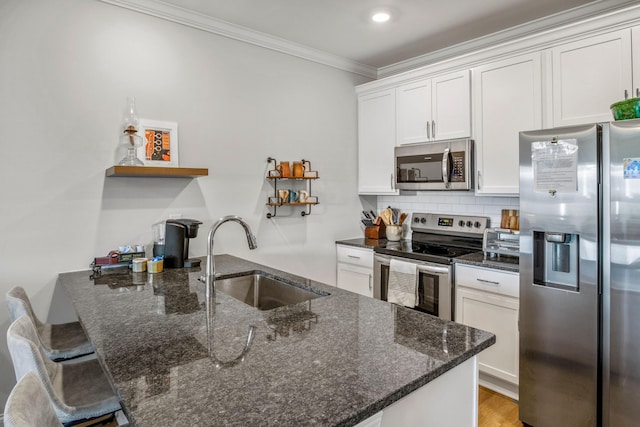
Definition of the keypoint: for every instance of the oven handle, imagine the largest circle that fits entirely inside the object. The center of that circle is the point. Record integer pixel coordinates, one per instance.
(422, 266)
(431, 269)
(445, 167)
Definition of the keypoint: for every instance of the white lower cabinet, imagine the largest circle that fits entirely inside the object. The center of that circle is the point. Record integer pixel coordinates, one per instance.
(355, 269)
(488, 299)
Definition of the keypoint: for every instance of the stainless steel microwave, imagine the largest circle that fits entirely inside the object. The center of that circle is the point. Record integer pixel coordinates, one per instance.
(444, 165)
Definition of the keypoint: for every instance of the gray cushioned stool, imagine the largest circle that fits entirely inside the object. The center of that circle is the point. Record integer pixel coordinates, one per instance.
(60, 341)
(29, 405)
(78, 391)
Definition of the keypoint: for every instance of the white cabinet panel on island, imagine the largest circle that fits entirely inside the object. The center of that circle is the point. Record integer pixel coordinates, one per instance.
(355, 269)
(589, 75)
(488, 299)
(507, 98)
(376, 141)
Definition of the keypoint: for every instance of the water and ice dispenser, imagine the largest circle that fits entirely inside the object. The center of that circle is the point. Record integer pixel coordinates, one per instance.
(555, 260)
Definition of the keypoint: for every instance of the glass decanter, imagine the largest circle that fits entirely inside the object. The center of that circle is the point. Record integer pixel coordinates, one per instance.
(130, 138)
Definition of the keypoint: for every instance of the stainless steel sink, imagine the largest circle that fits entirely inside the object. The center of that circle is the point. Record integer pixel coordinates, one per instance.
(264, 291)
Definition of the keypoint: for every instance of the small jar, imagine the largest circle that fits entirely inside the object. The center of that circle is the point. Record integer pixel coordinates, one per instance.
(138, 265)
(155, 266)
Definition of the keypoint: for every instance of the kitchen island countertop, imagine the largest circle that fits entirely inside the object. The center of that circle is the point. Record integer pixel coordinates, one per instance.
(331, 361)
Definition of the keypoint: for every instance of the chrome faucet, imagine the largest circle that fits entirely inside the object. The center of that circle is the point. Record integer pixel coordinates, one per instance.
(210, 273)
(209, 280)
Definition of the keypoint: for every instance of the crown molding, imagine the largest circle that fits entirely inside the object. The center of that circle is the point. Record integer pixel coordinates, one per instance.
(538, 26)
(192, 19)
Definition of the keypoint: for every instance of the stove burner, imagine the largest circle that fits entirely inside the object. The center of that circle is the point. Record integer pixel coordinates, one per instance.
(426, 248)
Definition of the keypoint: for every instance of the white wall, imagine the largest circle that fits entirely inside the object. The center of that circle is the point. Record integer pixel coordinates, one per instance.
(66, 68)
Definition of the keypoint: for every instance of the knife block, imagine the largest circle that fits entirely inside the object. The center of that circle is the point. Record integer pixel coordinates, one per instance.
(376, 231)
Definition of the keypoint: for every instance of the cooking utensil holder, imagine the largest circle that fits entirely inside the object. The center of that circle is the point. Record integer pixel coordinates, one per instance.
(376, 231)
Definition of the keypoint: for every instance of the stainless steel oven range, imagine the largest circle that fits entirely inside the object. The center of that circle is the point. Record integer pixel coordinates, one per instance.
(436, 240)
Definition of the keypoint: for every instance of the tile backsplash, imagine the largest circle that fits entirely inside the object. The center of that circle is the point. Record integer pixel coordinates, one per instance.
(450, 202)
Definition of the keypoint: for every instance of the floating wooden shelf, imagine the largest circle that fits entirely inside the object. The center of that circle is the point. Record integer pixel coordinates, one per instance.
(157, 172)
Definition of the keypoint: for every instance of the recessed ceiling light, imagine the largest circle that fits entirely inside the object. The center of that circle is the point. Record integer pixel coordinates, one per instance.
(380, 16)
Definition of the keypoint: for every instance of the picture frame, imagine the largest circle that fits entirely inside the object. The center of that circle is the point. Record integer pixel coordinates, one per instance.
(160, 147)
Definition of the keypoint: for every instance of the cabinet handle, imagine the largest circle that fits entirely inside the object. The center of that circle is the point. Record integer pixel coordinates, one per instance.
(428, 131)
(488, 281)
(479, 179)
(433, 128)
(638, 92)
(626, 94)
(353, 256)
(392, 183)
(370, 285)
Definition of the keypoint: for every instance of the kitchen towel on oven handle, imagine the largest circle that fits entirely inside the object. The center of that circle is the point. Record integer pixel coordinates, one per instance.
(403, 283)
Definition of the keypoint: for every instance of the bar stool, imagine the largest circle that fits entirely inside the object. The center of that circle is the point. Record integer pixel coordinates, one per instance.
(78, 391)
(29, 405)
(59, 341)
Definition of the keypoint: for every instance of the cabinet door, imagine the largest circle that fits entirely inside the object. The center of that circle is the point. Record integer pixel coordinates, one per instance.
(507, 99)
(635, 58)
(451, 101)
(496, 314)
(588, 76)
(414, 112)
(376, 141)
(355, 279)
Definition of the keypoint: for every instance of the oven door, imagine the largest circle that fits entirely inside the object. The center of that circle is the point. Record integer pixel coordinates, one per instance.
(435, 291)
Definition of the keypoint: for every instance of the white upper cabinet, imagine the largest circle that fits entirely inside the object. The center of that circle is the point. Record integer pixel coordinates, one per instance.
(589, 75)
(414, 112)
(451, 101)
(376, 141)
(434, 109)
(507, 99)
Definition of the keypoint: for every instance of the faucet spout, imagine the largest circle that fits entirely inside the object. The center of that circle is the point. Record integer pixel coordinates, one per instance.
(210, 273)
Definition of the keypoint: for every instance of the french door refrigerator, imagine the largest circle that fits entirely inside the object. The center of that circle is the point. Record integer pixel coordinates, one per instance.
(580, 276)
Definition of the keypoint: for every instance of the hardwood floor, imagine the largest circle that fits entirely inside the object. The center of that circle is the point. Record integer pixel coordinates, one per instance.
(496, 410)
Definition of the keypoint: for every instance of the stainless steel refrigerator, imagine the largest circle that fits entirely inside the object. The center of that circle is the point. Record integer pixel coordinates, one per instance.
(580, 276)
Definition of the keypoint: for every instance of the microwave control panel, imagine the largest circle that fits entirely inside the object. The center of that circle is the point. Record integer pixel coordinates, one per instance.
(457, 167)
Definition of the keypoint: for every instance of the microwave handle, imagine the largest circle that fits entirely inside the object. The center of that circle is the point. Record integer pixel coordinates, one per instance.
(445, 167)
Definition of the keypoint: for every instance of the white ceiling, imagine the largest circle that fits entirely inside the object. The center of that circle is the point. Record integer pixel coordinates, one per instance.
(342, 29)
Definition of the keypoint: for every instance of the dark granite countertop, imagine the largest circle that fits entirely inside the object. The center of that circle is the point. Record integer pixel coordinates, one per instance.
(362, 242)
(506, 263)
(331, 361)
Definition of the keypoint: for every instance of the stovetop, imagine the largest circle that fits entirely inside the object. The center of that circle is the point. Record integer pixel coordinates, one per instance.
(439, 238)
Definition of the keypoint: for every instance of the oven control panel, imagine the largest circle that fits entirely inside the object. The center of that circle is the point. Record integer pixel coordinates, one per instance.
(449, 223)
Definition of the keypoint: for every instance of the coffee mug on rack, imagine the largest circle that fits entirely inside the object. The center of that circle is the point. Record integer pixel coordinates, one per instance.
(284, 196)
(298, 169)
(303, 196)
(293, 196)
(285, 169)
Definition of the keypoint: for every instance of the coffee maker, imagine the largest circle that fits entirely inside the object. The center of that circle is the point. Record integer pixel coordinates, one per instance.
(176, 242)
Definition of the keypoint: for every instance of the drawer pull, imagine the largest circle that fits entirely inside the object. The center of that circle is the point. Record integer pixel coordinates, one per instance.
(353, 256)
(488, 281)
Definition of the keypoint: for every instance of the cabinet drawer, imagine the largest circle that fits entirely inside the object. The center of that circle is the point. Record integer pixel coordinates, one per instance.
(357, 256)
(486, 279)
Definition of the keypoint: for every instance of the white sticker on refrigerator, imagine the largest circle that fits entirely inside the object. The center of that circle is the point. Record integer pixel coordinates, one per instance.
(555, 165)
(631, 168)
